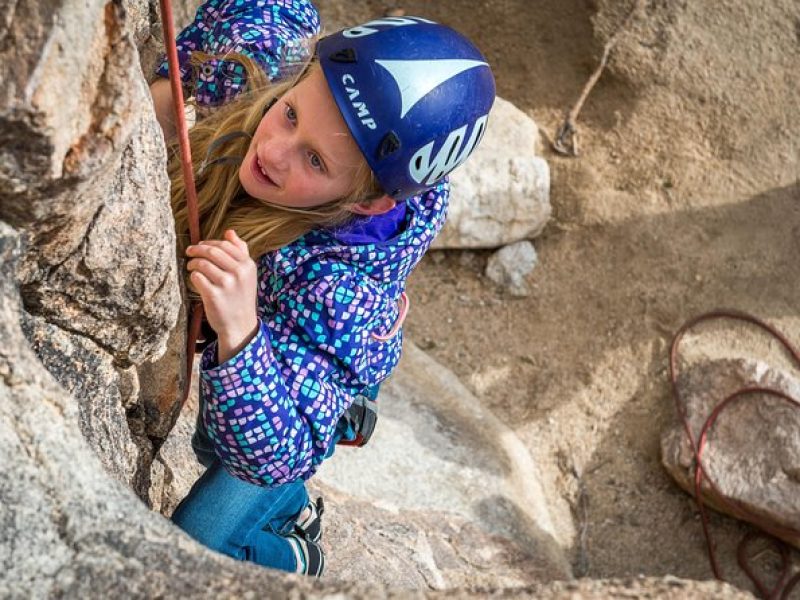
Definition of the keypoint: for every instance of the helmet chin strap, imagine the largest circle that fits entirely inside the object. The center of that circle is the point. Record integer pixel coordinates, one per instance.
(224, 139)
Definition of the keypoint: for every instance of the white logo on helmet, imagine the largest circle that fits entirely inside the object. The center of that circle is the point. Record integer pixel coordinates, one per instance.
(362, 111)
(369, 28)
(453, 152)
(415, 79)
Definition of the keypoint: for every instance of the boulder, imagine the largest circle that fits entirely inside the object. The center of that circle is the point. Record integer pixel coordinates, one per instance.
(437, 451)
(753, 451)
(501, 194)
(83, 179)
(82, 173)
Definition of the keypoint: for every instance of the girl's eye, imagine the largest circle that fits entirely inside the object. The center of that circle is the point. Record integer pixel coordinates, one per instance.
(316, 162)
(290, 114)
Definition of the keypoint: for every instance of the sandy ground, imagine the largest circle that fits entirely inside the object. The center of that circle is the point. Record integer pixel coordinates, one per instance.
(685, 198)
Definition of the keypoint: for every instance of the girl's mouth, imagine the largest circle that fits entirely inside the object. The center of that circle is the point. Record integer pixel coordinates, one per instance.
(260, 173)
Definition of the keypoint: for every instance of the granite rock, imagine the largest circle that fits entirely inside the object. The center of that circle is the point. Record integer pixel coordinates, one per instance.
(501, 194)
(510, 265)
(753, 451)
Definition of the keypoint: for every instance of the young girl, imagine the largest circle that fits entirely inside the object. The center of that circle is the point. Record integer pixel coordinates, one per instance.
(334, 182)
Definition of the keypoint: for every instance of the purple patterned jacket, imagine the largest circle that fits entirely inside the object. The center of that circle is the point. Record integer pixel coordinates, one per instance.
(270, 411)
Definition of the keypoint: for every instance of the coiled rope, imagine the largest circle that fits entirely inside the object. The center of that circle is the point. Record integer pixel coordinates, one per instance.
(196, 311)
(784, 586)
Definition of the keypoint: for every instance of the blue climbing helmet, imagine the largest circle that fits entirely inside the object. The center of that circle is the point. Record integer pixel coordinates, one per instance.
(415, 95)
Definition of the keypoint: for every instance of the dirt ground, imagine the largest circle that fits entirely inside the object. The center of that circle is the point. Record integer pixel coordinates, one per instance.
(686, 197)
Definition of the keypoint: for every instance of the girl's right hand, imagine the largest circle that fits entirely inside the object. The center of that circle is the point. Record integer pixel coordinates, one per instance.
(225, 276)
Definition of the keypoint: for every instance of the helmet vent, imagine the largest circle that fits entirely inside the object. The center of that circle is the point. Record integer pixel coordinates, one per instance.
(456, 143)
(389, 144)
(480, 131)
(345, 55)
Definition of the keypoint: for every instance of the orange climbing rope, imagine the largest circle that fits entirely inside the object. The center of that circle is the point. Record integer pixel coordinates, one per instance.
(782, 587)
(196, 318)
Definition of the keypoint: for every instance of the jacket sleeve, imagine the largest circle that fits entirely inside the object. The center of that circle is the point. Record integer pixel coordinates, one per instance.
(274, 33)
(271, 410)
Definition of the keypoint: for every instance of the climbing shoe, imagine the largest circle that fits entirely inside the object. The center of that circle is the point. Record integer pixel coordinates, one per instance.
(309, 556)
(310, 526)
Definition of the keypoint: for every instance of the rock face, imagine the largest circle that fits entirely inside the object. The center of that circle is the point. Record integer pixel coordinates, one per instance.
(94, 173)
(88, 298)
(82, 175)
(501, 194)
(753, 452)
(175, 467)
(434, 435)
(85, 369)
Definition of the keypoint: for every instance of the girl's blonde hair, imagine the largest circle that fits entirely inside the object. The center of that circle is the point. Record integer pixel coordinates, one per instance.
(222, 202)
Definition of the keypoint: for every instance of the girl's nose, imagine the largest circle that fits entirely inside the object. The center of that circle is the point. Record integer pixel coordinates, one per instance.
(277, 153)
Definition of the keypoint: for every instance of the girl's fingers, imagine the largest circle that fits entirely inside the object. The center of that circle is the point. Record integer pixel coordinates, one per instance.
(231, 235)
(231, 243)
(201, 283)
(229, 247)
(211, 272)
(224, 256)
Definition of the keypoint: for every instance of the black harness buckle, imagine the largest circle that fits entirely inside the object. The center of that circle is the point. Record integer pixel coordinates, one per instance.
(361, 417)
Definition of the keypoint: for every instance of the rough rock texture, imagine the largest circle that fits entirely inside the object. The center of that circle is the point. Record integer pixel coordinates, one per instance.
(423, 549)
(66, 528)
(99, 260)
(641, 587)
(175, 468)
(753, 452)
(501, 194)
(103, 394)
(82, 176)
(437, 449)
(510, 265)
(162, 382)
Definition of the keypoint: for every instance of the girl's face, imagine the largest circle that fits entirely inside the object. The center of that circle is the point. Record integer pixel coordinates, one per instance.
(302, 154)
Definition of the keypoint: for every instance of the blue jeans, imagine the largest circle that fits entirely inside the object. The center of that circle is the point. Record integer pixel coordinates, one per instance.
(240, 519)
